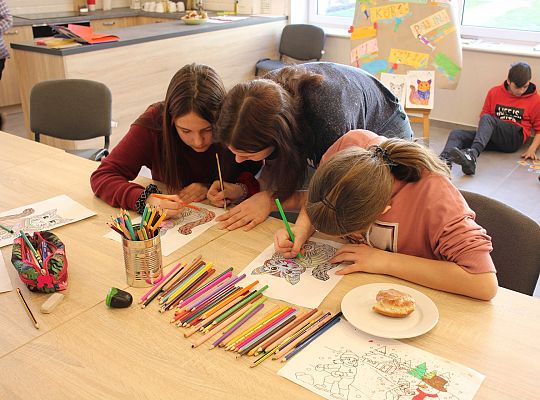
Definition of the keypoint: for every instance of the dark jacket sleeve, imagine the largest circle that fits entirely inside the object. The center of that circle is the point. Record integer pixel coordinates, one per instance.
(111, 181)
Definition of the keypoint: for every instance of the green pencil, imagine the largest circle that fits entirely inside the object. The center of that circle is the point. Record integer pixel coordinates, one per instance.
(6, 228)
(287, 226)
(32, 249)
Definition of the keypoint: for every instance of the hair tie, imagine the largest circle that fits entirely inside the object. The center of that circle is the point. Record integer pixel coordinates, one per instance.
(328, 204)
(379, 152)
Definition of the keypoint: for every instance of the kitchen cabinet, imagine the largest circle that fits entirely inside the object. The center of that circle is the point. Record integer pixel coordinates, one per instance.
(152, 20)
(9, 86)
(99, 25)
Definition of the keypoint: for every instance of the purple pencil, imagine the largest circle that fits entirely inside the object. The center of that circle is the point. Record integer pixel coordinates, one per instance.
(220, 289)
(199, 293)
(238, 325)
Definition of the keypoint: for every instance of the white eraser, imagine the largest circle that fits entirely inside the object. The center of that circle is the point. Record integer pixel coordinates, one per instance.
(51, 303)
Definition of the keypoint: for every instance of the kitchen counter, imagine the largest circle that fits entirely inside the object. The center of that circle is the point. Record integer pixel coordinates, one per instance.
(138, 68)
(148, 33)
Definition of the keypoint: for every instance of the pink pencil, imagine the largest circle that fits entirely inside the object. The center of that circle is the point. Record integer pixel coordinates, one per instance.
(196, 295)
(158, 283)
(219, 289)
(265, 327)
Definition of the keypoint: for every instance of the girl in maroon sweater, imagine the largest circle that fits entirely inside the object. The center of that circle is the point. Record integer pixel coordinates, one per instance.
(174, 139)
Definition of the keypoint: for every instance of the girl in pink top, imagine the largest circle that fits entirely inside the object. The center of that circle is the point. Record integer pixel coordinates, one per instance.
(393, 200)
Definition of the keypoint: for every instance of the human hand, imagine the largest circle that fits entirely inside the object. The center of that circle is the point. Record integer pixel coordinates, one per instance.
(193, 192)
(284, 245)
(530, 153)
(363, 258)
(231, 192)
(249, 213)
(169, 203)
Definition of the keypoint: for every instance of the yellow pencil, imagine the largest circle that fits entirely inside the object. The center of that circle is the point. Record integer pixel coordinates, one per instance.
(27, 309)
(221, 182)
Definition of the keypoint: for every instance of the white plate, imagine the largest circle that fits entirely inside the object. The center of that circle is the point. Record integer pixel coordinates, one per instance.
(357, 308)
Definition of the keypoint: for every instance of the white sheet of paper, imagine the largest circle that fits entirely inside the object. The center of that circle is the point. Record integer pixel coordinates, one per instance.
(5, 282)
(171, 238)
(301, 281)
(345, 363)
(43, 216)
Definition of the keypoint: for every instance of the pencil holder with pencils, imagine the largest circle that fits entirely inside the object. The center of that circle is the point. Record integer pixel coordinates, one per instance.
(40, 259)
(143, 261)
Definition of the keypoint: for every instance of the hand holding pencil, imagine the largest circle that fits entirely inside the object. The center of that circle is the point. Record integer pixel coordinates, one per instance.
(169, 203)
(231, 193)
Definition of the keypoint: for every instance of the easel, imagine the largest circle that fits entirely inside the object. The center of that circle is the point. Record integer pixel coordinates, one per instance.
(420, 116)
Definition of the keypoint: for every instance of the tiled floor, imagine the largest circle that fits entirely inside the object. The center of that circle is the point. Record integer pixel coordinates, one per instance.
(498, 175)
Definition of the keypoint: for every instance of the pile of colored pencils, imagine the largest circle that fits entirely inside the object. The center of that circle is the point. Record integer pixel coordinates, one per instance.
(223, 310)
(146, 229)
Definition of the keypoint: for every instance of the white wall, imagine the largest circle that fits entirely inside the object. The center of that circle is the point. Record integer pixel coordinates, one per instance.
(481, 71)
(40, 6)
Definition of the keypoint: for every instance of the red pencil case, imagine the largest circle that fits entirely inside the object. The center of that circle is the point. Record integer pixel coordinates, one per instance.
(49, 277)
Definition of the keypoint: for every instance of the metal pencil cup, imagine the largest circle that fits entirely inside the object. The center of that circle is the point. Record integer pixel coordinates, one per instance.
(144, 266)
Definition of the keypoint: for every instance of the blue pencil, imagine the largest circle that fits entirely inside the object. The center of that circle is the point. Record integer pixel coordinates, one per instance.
(310, 339)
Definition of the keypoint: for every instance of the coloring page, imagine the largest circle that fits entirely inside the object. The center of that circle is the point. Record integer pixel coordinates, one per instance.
(397, 84)
(42, 216)
(304, 281)
(182, 229)
(420, 89)
(345, 363)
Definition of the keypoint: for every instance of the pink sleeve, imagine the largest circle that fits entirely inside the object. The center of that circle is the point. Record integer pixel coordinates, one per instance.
(457, 237)
(356, 138)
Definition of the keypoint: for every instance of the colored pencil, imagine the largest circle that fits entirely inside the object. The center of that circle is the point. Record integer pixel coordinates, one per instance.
(246, 300)
(284, 350)
(210, 285)
(286, 222)
(32, 250)
(224, 302)
(281, 333)
(293, 332)
(205, 307)
(160, 287)
(254, 349)
(7, 229)
(270, 326)
(310, 339)
(221, 182)
(282, 314)
(217, 289)
(184, 283)
(161, 197)
(264, 357)
(244, 318)
(192, 286)
(27, 309)
(210, 335)
(209, 324)
(271, 313)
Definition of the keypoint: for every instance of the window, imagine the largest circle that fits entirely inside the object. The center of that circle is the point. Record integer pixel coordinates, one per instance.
(502, 19)
(490, 19)
(332, 13)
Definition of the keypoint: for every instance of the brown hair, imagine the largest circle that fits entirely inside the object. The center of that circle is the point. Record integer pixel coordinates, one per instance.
(519, 73)
(268, 112)
(194, 88)
(354, 186)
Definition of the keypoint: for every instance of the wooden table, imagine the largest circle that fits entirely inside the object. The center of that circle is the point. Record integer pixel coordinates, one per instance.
(86, 351)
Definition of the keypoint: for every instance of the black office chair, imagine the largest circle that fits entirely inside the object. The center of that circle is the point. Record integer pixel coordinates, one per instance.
(72, 109)
(516, 242)
(300, 42)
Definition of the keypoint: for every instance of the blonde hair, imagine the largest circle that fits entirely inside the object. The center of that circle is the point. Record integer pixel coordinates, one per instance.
(350, 190)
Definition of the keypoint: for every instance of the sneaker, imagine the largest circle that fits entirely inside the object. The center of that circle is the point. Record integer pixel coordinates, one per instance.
(464, 158)
(447, 158)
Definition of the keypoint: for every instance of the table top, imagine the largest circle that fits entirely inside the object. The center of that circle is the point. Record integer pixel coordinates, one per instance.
(85, 348)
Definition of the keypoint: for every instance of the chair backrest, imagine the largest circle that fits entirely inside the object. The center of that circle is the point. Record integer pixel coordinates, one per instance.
(302, 42)
(72, 109)
(516, 242)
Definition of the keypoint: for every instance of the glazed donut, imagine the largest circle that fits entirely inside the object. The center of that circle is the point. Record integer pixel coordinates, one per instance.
(393, 303)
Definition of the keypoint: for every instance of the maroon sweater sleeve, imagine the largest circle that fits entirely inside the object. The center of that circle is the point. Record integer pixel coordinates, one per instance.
(111, 181)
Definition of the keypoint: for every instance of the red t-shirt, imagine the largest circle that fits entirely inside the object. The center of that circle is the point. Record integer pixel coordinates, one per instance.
(428, 218)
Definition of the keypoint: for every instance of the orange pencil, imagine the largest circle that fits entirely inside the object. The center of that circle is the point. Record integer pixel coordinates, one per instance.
(229, 299)
(161, 197)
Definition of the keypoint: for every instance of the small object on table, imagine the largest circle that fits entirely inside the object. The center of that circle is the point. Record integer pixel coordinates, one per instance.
(51, 303)
(117, 298)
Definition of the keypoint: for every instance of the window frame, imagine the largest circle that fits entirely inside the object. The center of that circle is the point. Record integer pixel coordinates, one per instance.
(466, 31)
